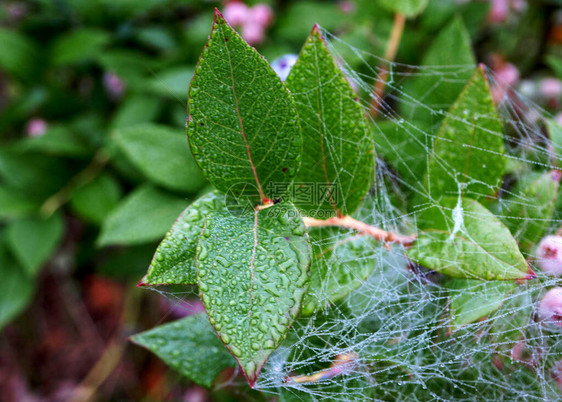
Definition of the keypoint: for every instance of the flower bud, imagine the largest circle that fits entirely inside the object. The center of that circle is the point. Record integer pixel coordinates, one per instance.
(499, 10)
(236, 13)
(252, 33)
(36, 127)
(508, 74)
(550, 307)
(261, 14)
(549, 255)
(550, 88)
(114, 85)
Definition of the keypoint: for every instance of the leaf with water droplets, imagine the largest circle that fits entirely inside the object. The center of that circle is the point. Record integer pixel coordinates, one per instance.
(190, 346)
(340, 264)
(174, 260)
(338, 153)
(467, 155)
(252, 272)
(464, 240)
(473, 299)
(243, 126)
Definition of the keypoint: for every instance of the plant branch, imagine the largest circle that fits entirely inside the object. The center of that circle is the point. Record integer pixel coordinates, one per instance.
(58, 199)
(362, 227)
(102, 369)
(389, 55)
(339, 365)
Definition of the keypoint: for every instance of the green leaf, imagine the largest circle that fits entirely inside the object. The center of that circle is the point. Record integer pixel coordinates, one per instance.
(78, 46)
(252, 272)
(190, 346)
(340, 264)
(14, 204)
(16, 287)
(37, 175)
(555, 63)
(33, 240)
(162, 155)
(243, 127)
(528, 211)
(57, 140)
(17, 53)
(404, 144)
(472, 299)
(174, 260)
(137, 110)
(437, 86)
(156, 37)
(410, 8)
(465, 240)
(468, 150)
(131, 66)
(338, 154)
(295, 21)
(171, 83)
(143, 216)
(514, 315)
(96, 199)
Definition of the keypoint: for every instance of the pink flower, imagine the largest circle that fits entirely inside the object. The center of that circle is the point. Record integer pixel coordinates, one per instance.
(347, 6)
(549, 252)
(499, 10)
(261, 14)
(550, 88)
(253, 21)
(550, 308)
(236, 13)
(517, 351)
(114, 85)
(16, 11)
(36, 127)
(508, 74)
(252, 33)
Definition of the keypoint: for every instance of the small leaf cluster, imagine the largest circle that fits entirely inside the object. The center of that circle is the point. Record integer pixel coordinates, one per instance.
(248, 247)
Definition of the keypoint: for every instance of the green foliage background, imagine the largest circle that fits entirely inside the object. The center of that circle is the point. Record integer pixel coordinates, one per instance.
(99, 189)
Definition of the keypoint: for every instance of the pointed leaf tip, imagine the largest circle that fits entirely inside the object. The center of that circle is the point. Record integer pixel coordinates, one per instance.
(273, 299)
(323, 93)
(253, 131)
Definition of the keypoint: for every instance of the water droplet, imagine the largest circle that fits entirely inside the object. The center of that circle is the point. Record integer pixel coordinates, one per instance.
(202, 252)
(235, 351)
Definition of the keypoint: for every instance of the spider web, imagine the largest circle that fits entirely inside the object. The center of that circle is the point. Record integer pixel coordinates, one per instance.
(397, 326)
